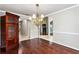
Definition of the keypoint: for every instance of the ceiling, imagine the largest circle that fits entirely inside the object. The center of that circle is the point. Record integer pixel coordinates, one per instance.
(29, 9)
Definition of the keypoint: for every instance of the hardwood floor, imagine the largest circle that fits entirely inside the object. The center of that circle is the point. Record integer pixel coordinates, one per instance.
(41, 46)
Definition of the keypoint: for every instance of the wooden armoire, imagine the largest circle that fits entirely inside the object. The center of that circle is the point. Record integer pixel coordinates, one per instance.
(9, 30)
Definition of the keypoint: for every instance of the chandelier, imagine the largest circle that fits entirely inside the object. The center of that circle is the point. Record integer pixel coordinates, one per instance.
(37, 18)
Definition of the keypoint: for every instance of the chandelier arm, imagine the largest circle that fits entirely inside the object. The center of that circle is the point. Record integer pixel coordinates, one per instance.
(37, 18)
(37, 11)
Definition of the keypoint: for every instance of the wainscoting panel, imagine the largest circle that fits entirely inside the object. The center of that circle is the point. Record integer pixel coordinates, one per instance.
(67, 39)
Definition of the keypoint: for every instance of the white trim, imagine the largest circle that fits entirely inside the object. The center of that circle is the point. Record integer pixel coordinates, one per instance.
(72, 33)
(62, 10)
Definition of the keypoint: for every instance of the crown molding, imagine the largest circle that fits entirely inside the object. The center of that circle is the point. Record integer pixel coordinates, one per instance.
(62, 10)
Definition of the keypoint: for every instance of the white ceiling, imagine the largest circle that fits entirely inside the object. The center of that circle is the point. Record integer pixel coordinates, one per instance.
(29, 9)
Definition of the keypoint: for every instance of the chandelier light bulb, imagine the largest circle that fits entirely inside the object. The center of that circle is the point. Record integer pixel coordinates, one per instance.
(41, 20)
(30, 18)
(34, 16)
(42, 16)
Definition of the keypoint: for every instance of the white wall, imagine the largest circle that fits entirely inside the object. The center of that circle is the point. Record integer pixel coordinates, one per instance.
(33, 30)
(2, 13)
(24, 27)
(28, 30)
(66, 27)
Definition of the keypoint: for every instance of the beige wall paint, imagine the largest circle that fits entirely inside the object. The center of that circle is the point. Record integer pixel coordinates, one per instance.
(66, 27)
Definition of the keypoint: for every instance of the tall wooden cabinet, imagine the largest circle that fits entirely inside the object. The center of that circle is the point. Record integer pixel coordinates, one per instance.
(0, 33)
(9, 32)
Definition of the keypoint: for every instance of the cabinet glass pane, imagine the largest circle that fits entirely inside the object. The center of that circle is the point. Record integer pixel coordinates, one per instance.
(0, 20)
(11, 19)
(11, 32)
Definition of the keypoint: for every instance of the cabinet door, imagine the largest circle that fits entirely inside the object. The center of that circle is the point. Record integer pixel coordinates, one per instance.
(10, 34)
(0, 32)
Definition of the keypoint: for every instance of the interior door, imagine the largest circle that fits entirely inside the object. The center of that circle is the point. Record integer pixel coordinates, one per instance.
(44, 29)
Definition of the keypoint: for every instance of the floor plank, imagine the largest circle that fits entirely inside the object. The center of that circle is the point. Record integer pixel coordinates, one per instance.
(41, 46)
